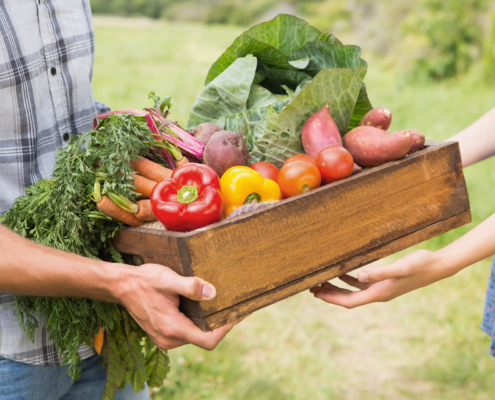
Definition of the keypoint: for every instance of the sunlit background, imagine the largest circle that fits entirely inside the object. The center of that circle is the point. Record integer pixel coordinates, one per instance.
(432, 62)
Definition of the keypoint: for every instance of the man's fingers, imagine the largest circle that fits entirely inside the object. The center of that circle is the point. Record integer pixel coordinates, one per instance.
(208, 340)
(377, 274)
(193, 288)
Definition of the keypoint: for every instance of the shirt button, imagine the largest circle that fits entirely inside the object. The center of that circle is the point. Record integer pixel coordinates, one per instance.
(53, 70)
(66, 137)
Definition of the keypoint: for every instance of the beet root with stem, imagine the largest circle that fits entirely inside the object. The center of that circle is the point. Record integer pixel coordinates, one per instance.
(224, 150)
(203, 132)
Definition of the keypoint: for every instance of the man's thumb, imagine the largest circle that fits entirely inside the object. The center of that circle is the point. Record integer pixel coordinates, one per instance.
(195, 288)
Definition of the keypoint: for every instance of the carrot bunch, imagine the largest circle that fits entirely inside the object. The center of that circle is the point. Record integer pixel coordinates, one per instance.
(148, 174)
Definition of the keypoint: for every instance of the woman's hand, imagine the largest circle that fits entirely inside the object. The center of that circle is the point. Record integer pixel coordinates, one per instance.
(381, 284)
(413, 271)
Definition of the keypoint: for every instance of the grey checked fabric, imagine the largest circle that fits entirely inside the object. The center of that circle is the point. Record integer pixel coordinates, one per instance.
(46, 66)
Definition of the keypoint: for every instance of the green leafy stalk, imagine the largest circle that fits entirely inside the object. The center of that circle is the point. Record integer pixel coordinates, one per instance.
(170, 147)
(123, 202)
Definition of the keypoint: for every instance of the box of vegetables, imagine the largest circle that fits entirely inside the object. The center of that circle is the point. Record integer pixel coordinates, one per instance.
(300, 181)
(284, 177)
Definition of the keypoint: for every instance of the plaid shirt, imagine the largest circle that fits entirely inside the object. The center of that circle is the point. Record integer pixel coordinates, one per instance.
(46, 66)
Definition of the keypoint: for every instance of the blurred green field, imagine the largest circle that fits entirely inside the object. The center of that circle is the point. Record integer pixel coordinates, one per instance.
(425, 345)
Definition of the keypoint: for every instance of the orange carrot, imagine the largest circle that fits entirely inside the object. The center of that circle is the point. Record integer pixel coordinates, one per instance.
(145, 212)
(98, 341)
(150, 169)
(108, 207)
(144, 186)
(183, 161)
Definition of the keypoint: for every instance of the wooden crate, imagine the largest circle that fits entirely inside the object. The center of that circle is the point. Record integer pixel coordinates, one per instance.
(266, 256)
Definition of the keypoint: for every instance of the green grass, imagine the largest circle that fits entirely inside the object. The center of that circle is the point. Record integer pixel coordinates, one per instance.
(425, 345)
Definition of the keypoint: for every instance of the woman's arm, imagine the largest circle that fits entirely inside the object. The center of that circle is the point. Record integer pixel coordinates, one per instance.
(149, 292)
(477, 141)
(413, 271)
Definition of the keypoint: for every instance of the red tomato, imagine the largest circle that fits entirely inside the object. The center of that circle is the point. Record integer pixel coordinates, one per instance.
(267, 170)
(334, 163)
(298, 176)
(304, 157)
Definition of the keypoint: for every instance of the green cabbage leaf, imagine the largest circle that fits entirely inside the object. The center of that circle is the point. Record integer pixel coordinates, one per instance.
(273, 78)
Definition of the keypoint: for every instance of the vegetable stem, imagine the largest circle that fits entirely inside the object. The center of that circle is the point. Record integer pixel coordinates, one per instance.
(187, 194)
(123, 202)
(253, 198)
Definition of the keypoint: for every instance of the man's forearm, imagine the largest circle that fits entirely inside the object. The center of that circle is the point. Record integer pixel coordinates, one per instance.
(27, 268)
(477, 141)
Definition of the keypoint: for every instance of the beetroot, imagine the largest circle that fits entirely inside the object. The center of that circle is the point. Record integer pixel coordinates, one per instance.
(418, 141)
(224, 150)
(370, 146)
(203, 132)
(320, 131)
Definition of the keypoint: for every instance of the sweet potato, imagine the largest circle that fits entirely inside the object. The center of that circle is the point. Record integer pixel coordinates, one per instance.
(418, 141)
(356, 169)
(379, 117)
(370, 146)
(224, 150)
(320, 131)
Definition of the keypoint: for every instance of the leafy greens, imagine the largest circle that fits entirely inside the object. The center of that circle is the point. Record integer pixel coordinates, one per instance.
(273, 78)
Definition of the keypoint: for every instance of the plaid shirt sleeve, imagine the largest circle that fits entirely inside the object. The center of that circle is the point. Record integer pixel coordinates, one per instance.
(46, 66)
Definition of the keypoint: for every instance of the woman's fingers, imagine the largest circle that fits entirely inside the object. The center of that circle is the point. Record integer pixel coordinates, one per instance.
(348, 299)
(351, 281)
(384, 283)
(324, 286)
(396, 270)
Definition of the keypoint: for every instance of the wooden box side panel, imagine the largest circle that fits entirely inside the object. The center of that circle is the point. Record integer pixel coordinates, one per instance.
(152, 246)
(246, 307)
(302, 236)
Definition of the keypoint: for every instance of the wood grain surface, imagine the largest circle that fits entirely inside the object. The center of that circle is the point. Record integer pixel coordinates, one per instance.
(306, 282)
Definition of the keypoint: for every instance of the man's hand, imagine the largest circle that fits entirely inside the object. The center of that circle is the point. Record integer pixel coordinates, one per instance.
(149, 292)
(151, 295)
(381, 284)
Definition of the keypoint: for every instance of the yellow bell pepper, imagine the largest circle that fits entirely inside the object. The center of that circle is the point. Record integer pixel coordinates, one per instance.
(243, 185)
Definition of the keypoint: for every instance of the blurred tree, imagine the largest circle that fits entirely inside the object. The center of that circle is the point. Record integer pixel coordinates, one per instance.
(334, 15)
(237, 12)
(450, 35)
(147, 8)
(489, 52)
(427, 38)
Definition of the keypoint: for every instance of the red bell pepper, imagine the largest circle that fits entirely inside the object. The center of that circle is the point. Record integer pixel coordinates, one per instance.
(190, 199)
